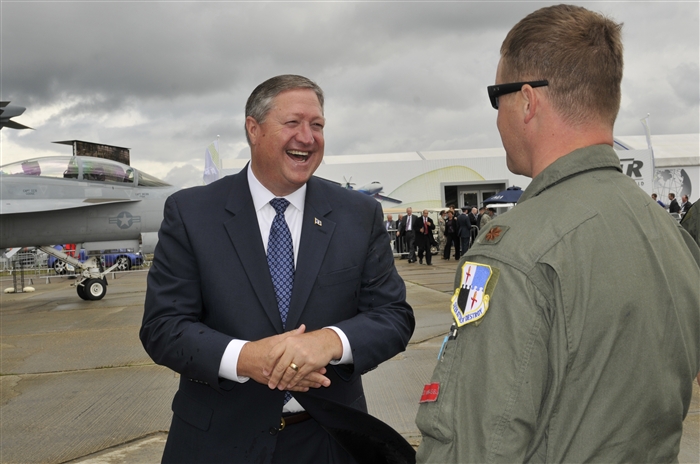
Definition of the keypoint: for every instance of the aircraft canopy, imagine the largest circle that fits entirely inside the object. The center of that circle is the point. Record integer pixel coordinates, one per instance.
(84, 168)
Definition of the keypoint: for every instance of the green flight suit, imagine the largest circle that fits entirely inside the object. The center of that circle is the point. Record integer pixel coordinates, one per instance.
(591, 341)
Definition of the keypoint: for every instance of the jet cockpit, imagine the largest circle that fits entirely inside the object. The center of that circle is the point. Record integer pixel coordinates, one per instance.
(96, 203)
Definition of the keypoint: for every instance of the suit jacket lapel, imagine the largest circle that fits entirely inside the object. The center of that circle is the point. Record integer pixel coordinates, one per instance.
(316, 233)
(245, 236)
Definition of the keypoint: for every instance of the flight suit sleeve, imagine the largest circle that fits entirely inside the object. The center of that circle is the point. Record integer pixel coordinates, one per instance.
(492, 377)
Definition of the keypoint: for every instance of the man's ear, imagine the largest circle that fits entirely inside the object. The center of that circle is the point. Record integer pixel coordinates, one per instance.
(530, 103)
(253, 128)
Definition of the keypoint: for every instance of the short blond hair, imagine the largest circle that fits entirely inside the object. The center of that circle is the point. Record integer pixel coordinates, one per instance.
(578, 51)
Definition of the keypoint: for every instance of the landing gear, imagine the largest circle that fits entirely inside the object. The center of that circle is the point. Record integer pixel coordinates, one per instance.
(92, 289)
(91, 283)
(81, 291)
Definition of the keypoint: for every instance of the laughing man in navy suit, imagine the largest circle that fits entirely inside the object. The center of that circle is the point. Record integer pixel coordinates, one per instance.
(212, 314)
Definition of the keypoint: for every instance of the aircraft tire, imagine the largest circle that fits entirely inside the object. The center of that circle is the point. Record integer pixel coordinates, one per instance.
(95, 289)
(81, 291)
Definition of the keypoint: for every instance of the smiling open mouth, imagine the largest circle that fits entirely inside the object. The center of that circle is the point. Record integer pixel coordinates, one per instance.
(298, 155)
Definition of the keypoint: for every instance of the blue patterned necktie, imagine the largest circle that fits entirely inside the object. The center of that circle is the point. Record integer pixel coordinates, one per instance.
(280, 259)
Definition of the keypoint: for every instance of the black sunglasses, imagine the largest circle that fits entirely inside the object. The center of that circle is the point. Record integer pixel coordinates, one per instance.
(498, 90)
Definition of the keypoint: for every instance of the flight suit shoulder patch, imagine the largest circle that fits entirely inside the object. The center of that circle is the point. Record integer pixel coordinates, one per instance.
(493, 235)
(474, 286)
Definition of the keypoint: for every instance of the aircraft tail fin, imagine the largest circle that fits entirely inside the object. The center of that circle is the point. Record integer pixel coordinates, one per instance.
(212, 163)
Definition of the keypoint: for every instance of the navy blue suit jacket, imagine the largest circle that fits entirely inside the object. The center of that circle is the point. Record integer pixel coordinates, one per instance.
(210, 283)
(464, 224)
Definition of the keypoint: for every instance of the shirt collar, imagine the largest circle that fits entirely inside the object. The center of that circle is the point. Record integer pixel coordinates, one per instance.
(262, 196)
(573, 164)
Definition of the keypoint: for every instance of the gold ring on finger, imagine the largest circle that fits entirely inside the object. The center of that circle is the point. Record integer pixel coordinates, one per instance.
(294, 367)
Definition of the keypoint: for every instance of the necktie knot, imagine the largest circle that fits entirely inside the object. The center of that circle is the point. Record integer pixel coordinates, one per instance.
(280, 205)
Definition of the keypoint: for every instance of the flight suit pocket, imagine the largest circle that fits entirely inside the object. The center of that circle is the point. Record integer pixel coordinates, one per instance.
(436, 419)
(191, 411)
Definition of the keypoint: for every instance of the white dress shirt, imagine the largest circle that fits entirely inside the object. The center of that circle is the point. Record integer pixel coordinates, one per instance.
(266, 214)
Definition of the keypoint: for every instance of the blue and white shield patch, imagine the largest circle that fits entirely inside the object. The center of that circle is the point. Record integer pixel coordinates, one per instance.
(470, 300)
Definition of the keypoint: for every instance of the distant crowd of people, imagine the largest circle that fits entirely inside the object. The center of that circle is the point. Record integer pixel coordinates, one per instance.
(455, 229)
(458, 228)
(673, 206)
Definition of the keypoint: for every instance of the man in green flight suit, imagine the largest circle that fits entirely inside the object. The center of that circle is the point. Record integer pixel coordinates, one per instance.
(577, 313)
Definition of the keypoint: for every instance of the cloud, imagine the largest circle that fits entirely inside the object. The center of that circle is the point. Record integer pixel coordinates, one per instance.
(165, 78)
(684, 80)
(184, 176)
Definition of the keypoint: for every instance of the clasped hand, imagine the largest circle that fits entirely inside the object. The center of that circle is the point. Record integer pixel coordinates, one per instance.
(268, 360)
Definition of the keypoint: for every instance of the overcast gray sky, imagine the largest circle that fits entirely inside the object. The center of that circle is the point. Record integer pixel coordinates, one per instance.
(165, 78)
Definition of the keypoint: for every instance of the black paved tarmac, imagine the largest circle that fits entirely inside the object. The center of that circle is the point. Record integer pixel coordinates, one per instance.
(76, 385)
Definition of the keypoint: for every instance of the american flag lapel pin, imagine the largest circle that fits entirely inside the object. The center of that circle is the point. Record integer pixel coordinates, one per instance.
(318, 222)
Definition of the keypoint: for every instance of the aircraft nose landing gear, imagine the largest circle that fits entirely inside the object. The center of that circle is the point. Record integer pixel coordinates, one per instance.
(91, 282)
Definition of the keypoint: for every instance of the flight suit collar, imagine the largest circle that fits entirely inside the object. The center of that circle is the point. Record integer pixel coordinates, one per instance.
(575, 163)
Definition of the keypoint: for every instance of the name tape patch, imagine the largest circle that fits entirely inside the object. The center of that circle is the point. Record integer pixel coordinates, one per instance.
(430, 393)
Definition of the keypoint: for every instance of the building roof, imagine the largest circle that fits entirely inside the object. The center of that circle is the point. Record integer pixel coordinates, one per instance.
(670, 150)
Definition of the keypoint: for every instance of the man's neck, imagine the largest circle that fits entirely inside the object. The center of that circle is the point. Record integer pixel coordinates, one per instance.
(561, 139)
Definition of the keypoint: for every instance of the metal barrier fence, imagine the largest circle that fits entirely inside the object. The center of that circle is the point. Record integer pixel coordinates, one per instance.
(37, 263)
(398, 244)
(400, 247)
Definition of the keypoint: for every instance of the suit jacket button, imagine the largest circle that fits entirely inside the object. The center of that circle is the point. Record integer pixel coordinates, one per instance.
(273, 430)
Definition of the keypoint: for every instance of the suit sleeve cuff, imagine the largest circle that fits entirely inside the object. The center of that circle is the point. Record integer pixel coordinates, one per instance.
(229, 361)
(347, 351)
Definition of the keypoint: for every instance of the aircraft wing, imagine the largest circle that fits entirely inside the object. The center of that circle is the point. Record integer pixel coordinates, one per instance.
(13, 125)
(7, 112)
(383, 198)
(35, 206)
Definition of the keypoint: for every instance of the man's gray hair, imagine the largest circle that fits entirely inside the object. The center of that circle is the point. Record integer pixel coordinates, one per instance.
(259, 103)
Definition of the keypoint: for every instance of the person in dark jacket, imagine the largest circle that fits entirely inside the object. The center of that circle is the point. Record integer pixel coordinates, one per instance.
(464, 228)
(451, 236)
(673, 206)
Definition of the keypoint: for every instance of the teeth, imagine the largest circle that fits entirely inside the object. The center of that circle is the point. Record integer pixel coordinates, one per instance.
(298, 153)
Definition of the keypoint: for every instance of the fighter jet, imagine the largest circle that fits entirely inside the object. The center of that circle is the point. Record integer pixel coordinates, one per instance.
(7, 112)
(98, 203)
